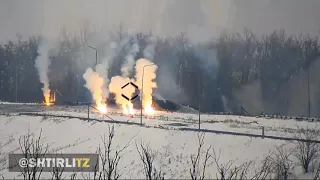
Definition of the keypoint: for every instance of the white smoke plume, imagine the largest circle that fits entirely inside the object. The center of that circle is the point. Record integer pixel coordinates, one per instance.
(94, 82)
(116, 45)
(127, 67)
(98, 81)
(42, 64)
(118, 82)
(102, 70)
(148, 76)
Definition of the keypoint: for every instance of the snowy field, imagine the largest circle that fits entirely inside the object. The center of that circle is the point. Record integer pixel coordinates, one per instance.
(173, 146)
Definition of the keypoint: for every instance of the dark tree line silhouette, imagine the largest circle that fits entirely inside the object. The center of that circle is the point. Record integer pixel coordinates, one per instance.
(210, 70)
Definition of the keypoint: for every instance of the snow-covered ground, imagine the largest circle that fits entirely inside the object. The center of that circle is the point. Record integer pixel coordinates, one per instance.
(15, 103)
(173, 146)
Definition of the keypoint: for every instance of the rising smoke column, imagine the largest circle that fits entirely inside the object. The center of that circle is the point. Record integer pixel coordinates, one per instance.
(94, 82)
(118, 81)
(127, 67)
(42, 64)
(112, 50)
(102, 70)
(149, 75)
(98, 81)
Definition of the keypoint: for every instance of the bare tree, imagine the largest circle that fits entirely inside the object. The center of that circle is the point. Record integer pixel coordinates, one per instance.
(57, 172)
(195, 170)
(264, 171)
(32, 147)
(243, 171)
(230, 170)
(306, 152)
(282, 165)
(73, 176)
(147, 156)
(109, 157)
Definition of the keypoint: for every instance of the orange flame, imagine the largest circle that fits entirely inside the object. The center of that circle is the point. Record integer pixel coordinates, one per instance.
(48, 99)
(149, 110)
(102, 108)
(128, 108)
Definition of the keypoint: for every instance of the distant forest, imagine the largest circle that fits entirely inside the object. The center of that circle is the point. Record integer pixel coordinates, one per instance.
(268, 73)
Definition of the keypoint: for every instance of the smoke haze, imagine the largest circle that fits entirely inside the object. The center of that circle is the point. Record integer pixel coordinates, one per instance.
(149, 51)
(199, 19)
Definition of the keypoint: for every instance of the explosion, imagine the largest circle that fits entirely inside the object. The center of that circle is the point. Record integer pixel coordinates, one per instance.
(148, 109)
(120, 85)
(146, 71)
(116, 86)
(94, 82)
(48, 99)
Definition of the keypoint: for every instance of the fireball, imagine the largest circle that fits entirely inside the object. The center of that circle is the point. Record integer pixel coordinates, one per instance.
(102, 108)
(149, 110)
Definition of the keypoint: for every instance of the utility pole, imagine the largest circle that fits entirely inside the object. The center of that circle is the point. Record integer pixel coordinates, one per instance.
(96, 54)
(141, 95)
(309, 105)
(199, 98)
(16, 83)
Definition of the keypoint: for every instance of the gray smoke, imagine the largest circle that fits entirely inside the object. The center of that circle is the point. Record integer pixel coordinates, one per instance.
(42, 64)
(149, 51)
(102, 70)
(112, 49)
(207, 55)
(128, 65)
(167, 86)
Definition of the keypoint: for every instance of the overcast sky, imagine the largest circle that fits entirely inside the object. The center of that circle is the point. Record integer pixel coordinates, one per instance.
(199, 18)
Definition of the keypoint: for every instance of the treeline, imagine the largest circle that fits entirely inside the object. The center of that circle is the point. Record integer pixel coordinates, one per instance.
(211, 70)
